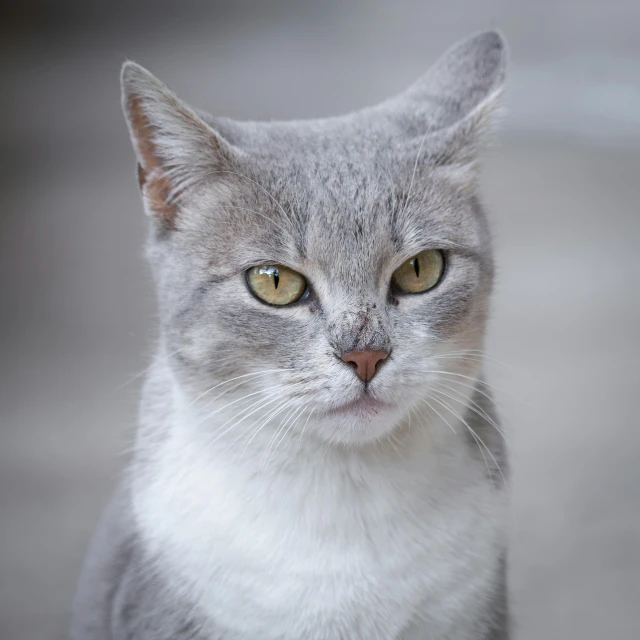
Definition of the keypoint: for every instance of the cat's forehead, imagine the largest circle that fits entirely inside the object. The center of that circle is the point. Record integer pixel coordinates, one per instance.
(352, 149)
(353, 180)
(339, 191)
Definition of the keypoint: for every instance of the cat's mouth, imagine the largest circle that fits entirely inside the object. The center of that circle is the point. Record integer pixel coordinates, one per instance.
(364, 404)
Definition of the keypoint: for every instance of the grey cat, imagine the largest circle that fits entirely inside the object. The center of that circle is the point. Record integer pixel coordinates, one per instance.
(318, 455)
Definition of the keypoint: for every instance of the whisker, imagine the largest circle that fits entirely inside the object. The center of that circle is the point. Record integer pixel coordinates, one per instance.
(262, 422)
(393, 439)
(313, 408)
(477, 381)
(249, 395)
(474, 354)
(476, 437)
(476, 408)
(282, 425)
(293, 421)
(245, 375)
(486, 463)
(260, 418)
(239, 417)
(144, 371)
(440, 416)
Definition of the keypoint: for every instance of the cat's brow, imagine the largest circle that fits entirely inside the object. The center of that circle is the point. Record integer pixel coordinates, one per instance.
(463, 250)
(410, 249)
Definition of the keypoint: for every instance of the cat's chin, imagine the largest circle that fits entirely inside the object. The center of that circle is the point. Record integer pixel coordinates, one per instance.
(365, 405)
(360, 421)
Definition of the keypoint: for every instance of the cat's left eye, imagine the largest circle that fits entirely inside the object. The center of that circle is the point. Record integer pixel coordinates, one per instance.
(276, 284)
(420, 273)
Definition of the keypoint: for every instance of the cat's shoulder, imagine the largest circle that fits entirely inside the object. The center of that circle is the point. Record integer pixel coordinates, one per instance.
(122, 594)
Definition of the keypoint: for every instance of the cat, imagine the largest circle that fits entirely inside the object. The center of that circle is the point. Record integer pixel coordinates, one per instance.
(318, 454)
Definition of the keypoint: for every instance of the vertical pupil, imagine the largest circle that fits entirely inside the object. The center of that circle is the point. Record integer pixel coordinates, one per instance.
(276, 277)
(416, 266)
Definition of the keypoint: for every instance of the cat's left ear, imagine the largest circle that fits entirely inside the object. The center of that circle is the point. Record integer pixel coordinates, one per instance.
(176, 150)
(453, 106)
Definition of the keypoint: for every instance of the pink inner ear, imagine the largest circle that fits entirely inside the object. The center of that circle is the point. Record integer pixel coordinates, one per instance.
(152, 182)
(142, 176)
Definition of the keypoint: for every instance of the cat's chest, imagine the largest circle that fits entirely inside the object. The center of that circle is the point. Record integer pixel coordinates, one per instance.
(358, 583)
(284, 562)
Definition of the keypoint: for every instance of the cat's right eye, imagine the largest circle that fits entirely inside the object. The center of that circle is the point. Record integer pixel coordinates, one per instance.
(276, 284)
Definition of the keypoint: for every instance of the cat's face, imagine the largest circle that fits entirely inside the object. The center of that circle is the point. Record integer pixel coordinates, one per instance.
(355, 335)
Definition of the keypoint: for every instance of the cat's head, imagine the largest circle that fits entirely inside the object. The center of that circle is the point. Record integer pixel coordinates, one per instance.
(327, 270)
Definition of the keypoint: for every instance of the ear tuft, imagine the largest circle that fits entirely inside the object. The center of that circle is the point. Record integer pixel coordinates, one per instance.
(175, 148)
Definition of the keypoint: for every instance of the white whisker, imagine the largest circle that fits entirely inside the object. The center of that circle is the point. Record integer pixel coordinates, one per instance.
(479, 353)
(292, 422)
(259, 424)
(254, 374)
(249, 395)
(476, 437)
(313, 408)
(282, 425)
(476, 381)
(239, 417)
(476, 408)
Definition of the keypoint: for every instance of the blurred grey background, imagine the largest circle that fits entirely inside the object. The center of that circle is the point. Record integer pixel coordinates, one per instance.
(77, 307)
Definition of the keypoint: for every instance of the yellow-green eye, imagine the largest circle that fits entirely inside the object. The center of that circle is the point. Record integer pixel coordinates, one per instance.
(421, 273)
(276, 284)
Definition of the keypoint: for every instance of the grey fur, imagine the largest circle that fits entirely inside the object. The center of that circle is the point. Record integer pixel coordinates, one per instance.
(345, 201)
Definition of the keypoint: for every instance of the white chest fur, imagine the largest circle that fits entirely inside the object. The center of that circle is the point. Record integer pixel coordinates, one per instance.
(326, 544)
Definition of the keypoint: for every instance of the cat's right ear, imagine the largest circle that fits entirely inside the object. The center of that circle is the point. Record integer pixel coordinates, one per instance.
(176, 150)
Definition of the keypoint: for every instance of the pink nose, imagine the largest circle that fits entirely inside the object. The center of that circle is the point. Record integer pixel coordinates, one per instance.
(365, 362)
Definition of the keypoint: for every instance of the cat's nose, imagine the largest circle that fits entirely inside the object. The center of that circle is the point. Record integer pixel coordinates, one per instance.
(365, 362)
